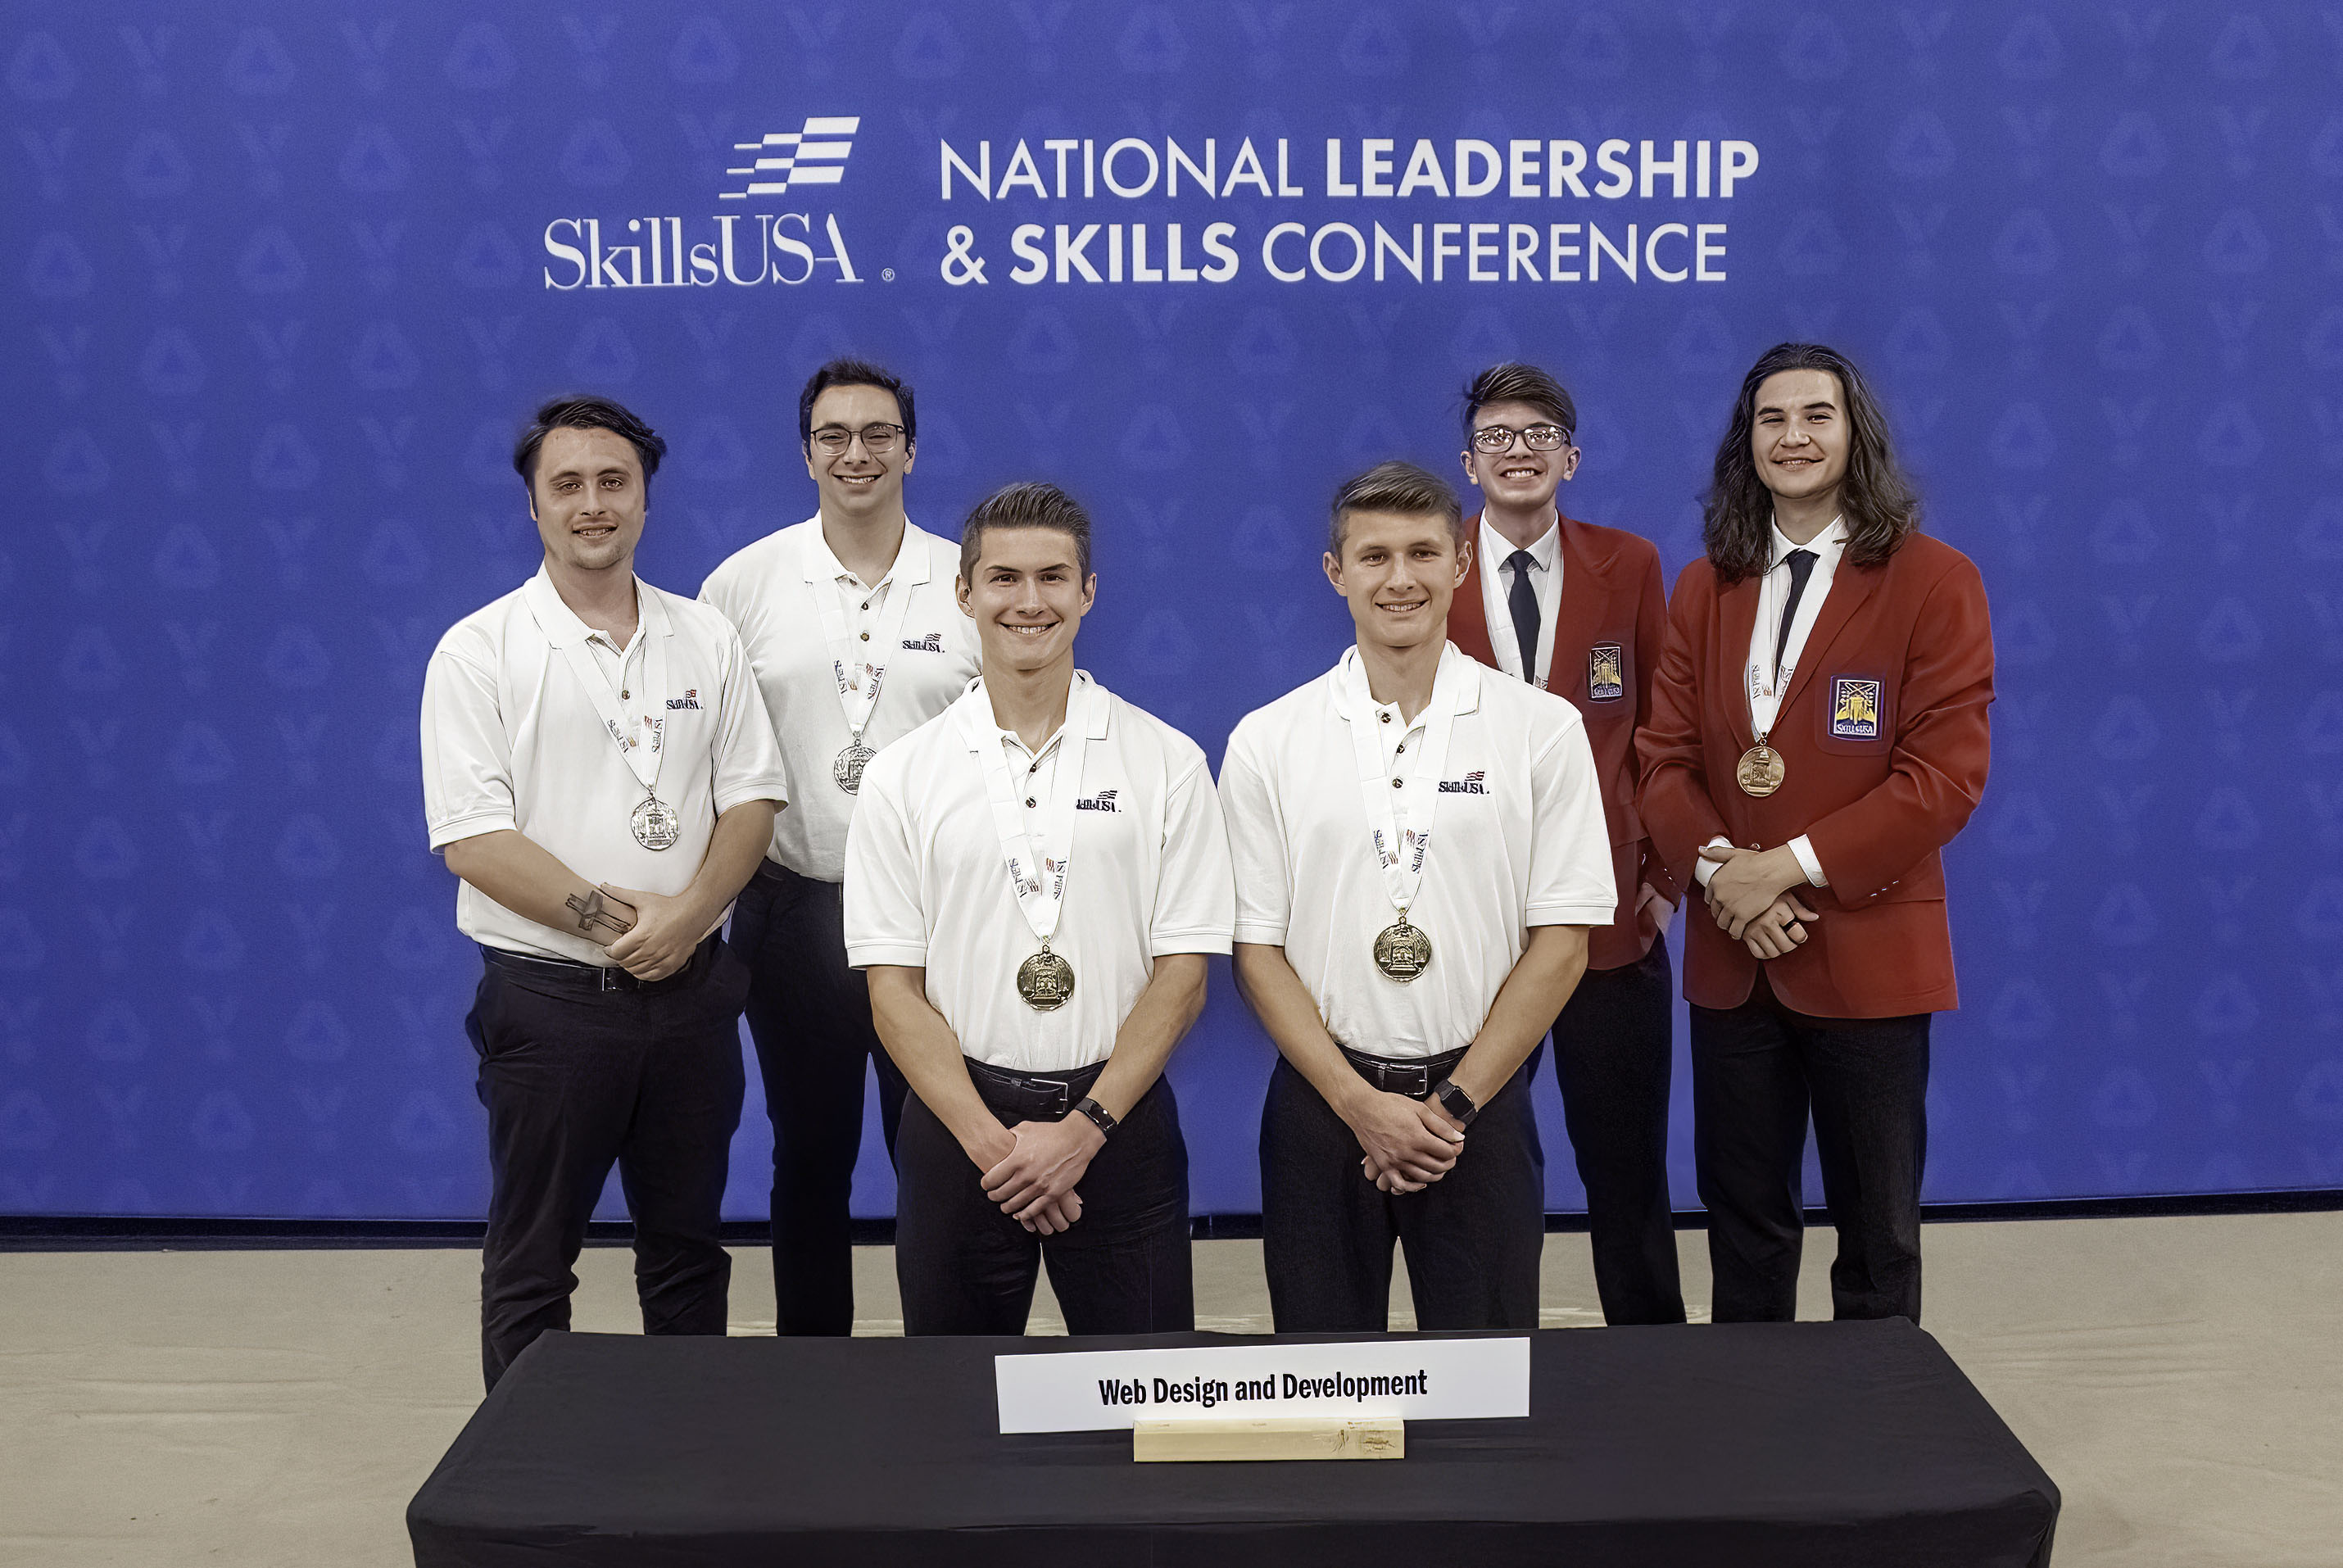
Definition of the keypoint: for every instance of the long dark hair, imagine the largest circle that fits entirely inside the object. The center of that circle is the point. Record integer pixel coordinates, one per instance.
(1877, 501)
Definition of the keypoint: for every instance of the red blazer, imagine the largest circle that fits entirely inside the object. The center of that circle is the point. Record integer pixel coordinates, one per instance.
(1885, 746)
(1612, 605)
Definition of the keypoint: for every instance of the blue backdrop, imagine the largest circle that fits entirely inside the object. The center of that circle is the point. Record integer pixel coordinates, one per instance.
(282, 278)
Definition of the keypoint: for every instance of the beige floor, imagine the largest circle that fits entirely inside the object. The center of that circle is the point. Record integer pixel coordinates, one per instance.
(2182, 1380)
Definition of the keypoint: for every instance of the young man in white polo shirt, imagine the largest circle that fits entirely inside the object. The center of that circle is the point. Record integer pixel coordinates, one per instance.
(598, 771)
(1032, 881)
(851, 628)
(1420, 852)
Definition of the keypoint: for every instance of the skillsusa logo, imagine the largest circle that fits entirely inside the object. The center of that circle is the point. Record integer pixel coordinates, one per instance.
(814, 155)
(740, 248)
(931, 643)
(690, 699)
(1470, 784)
(1102, 802)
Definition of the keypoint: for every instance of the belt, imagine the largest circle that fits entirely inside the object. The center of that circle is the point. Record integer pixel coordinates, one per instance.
(1415, 1076)
(1017, 1097)
(570, 975)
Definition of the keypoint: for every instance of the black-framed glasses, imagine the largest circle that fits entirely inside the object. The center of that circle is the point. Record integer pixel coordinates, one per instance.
(877, 438)
(1539, 437)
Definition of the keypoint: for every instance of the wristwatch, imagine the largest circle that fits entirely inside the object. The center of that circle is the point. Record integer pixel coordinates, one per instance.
(1097, 1113)
(1456, 1102)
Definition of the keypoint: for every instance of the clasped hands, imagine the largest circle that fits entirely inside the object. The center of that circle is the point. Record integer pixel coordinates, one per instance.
(1030, 1169)
(1406, 1144)
(665, 934)
(1749, 894)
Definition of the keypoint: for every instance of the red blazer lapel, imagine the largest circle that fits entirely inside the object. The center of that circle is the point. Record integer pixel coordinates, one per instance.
(1850, 587)
(1582, 611)
(1736, 614)
(1468, 623)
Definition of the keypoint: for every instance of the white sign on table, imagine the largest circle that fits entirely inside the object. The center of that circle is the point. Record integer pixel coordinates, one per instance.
(1414, 1379)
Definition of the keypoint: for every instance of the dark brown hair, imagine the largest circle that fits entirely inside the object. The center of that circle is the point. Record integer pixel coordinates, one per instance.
(1031, 505)
(586, 414)
(1874, 498)
(1516, 383)
(855, 372)
(1398, 487)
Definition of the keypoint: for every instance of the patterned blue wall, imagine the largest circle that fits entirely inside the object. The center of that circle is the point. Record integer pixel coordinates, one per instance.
(281, 278)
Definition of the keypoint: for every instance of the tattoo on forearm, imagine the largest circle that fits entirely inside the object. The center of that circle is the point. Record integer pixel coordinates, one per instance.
(592, 912)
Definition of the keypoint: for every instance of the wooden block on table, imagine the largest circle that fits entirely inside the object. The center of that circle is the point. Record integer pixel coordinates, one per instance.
(1286, 1437)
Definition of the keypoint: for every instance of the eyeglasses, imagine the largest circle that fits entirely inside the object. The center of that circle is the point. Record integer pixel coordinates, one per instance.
(876, 438)
(1500, 437)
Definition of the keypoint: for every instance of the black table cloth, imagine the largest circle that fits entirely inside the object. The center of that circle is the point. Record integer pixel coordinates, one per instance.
(1747, 1445)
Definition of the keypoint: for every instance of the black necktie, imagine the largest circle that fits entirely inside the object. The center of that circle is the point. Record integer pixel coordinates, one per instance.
(1802, 566)
(1523, 601)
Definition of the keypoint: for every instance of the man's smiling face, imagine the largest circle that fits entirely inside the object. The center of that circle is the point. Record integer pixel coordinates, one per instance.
(858, 483)
(1519, 478)
(1399, 571)
(588, 497)
(1026, 596)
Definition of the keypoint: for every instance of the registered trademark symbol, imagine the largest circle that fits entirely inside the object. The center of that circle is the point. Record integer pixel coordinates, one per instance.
(886, 275)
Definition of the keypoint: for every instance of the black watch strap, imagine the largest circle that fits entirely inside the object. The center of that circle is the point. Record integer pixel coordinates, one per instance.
(1456, 1102)
(1097, 1113)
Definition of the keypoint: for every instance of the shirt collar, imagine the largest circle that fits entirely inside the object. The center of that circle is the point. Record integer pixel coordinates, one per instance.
(1086, 696)
(1828, 546)
(911, 562)
(1458, 678)
(1496, 549)
(560, 624)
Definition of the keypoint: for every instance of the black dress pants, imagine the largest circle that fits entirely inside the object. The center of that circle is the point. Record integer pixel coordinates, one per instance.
(810, 1015)
(579, 1070)
(1756, 1071)
(1611, 1048)
(1123, 1268)
(1472, 1238)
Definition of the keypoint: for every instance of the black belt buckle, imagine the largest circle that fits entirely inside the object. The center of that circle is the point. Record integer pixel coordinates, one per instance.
(1408, 1077)
(1050, 1097)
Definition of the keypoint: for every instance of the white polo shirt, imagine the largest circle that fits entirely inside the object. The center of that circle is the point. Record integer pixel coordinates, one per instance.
(512, 740)
(927, 649)
(1518, 841)
(927, 885)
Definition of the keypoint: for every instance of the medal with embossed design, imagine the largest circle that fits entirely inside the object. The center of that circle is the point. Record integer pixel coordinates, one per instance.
(846, 772)
(1046, 980)
(1403, 951)
(657, 824)
(1760, 771)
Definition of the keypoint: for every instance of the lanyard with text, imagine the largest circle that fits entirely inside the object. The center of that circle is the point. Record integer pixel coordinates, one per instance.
(860, 666)
(1401, 827)
(1036, 877)
(656, 824)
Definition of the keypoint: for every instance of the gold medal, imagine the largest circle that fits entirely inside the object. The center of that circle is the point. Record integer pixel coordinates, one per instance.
(1403, 951)
(1045, 980)
(1759, 772)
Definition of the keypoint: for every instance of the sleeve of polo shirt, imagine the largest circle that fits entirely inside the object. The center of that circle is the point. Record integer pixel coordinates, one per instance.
(1570, 881)
(746, 762)
(467, 787)
(1196, 896)
(1265, 889)
(884, 919)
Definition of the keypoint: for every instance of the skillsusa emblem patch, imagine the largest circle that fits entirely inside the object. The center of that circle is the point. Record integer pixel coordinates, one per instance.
(1855, 708)
(1605, 682)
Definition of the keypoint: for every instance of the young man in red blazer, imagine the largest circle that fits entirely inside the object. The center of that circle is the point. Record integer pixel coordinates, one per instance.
(1578, 611)
(1817, 735)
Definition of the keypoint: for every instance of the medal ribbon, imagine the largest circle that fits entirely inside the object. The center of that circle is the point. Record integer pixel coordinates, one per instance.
(1399, 831)
(642, 761)
(859, 699)
(1038, 877)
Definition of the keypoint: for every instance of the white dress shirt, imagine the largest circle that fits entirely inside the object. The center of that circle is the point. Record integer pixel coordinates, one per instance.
(767, 590)
(1829, 547)
(926, 886)
(511, 739)
(1496, 596)
(1518, 841)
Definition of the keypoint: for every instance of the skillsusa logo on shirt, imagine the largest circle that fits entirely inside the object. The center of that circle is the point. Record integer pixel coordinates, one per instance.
(690, 699)
(1102, 802)
(931, 643)
(1470, 784)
